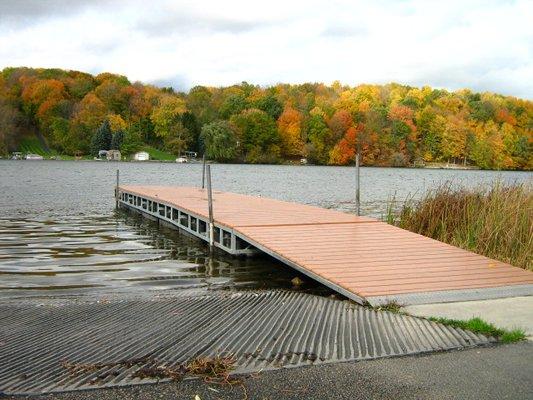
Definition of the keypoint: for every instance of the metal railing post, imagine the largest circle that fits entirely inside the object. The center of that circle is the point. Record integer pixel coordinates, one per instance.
(357, 185)
(203, 172)
(210, 205)
(116, 189)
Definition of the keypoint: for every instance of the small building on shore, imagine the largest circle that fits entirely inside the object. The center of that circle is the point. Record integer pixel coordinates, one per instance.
(114, 155)
(141, 156)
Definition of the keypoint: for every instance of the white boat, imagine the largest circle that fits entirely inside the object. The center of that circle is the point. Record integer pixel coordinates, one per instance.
(141, 156)
(30, 156)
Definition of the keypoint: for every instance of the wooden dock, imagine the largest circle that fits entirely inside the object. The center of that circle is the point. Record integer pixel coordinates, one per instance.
(359, 257)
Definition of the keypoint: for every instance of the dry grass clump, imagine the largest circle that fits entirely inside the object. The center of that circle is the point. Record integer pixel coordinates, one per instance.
(495, 222)
(215, 369)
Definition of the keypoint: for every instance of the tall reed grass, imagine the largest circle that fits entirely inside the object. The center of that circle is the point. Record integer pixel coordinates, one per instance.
(496, 222)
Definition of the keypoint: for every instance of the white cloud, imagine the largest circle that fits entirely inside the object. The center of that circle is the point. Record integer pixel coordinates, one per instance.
(483, 45)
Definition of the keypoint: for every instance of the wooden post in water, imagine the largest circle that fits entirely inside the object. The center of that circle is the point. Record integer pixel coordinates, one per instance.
(116, 190)
(203, 172)
(357, 183)
(210, 205)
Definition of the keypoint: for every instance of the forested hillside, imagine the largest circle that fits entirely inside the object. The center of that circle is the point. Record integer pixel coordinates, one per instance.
(395, 125)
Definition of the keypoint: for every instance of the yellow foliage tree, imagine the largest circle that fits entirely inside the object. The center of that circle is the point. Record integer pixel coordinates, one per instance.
(290, 129)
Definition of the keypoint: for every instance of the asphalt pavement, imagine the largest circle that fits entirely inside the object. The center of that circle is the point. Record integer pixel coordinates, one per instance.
(493, 372)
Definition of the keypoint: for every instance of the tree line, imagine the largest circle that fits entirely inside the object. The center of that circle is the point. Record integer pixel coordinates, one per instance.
(393, 125)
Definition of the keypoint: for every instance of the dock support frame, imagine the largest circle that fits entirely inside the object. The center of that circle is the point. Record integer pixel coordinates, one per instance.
(195, 225)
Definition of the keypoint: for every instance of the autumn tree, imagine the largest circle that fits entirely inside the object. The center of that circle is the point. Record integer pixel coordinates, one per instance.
(404, 132)
(344, 151)
(452, 142)
(167, 120)
(339, 124)
(89, 114)
(41, 96)
(393, 124)
(79, 84)
(290, 130)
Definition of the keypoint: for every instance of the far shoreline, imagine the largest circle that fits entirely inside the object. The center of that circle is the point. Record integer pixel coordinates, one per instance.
(433, 166)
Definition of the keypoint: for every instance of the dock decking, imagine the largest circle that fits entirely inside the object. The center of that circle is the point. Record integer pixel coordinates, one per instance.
(359, 257)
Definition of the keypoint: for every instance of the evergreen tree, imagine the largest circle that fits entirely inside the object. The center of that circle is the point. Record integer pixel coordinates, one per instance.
(101, 139)
(116, 141)
(190, 123)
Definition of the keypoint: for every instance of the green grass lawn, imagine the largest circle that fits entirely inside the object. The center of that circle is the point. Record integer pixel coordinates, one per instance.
(32, 145)
(156, 154)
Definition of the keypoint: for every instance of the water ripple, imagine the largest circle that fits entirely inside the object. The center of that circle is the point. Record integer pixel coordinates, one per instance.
(119, 252)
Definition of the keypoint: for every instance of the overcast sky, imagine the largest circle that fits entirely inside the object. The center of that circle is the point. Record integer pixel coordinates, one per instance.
(483, 45)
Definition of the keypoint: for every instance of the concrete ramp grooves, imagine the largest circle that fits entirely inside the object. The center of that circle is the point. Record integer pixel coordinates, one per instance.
(263, 330)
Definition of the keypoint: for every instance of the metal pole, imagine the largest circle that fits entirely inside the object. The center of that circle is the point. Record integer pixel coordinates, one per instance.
(203, 172)
(357, 184)
(210, 204)
(116, 190)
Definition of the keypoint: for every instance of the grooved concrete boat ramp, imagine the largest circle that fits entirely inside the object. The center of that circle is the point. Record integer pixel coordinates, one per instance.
(112, 341)
(359, 257)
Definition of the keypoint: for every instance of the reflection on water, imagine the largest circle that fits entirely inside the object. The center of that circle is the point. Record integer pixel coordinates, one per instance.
(122, 252)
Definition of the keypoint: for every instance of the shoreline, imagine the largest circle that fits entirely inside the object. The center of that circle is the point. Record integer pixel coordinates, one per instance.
(452, 167)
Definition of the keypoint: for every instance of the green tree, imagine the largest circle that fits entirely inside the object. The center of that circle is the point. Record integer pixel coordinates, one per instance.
(481, 153)
(8, 126)
(270, 105)
(60, 134)
(191, 124)
(116, 141)
(101, 139)
(200, 102)
(429, 136)
(259, 135)
(319, 135)
(232, 105)
(219, 141)
(482, 110)
(132, 141)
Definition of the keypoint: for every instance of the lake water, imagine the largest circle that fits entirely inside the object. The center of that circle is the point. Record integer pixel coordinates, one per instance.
(60, 234)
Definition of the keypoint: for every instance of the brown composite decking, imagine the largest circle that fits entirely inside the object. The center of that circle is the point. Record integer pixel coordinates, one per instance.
(360, 257)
